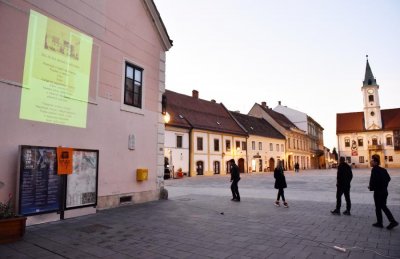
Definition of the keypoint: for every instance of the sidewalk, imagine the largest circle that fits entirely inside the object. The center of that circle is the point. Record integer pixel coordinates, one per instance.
(211, 226)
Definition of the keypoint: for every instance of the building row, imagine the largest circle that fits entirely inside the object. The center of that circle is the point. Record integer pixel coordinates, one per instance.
(201, 137)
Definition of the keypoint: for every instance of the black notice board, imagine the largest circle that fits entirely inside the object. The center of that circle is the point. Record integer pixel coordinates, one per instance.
(39, 184)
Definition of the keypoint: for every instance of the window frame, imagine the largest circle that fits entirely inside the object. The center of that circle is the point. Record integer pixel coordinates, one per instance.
(216, 145)
(228, 145)
(361, 159)
(127, 107)
(179, 142)
(389, 143)
(347, 142)
(199, 144)
(237, 144)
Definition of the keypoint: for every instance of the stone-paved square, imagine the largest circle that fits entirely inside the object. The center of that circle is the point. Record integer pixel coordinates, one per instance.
(200, 221)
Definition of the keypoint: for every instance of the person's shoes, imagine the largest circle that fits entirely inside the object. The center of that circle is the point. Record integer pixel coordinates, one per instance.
(286, 205)
(233, 199)
(392, 225)
(277, 204)
(377, 225)
(346, 212)
(335, 212)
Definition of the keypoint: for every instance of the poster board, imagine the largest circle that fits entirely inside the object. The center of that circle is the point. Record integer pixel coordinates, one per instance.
(39, 184)
(81, 190)
(42, 190)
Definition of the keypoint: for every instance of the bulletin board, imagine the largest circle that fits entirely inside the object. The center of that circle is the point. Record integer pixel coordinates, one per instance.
(82, 183)
(42, 190)
(39, 184)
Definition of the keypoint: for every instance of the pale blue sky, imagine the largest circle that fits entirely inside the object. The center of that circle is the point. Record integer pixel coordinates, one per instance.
(309, 54)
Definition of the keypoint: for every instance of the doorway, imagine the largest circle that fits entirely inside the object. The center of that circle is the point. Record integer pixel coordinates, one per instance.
(199, 167)
(241, 165)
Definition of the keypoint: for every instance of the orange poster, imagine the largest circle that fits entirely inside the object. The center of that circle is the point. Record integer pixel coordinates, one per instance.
(64, 160)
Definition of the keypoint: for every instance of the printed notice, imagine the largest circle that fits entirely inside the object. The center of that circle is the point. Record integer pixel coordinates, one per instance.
(39, 183)
(56, 73)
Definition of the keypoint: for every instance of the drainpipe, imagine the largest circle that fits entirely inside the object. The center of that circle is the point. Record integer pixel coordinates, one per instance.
(190, 151)
(247, 155)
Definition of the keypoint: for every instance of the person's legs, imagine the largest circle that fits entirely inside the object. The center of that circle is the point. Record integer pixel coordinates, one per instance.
(347, 197)
(282, 194)
(237, 190)
(378, 207)
(385, 209)
(233, 190)
(339, 192)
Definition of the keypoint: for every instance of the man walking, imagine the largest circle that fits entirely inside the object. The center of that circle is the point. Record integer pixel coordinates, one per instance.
(235, 177)
(344, 177)
(378, 183)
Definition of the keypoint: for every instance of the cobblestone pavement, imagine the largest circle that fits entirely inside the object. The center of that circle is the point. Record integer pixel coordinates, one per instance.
(200, 221)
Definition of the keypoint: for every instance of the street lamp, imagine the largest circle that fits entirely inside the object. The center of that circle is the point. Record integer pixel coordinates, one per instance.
(166, 117)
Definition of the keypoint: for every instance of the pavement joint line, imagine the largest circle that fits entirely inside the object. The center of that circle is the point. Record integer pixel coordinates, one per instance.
(53, 252)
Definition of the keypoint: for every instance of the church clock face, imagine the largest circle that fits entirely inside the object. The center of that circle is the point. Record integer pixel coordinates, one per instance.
(370, 91)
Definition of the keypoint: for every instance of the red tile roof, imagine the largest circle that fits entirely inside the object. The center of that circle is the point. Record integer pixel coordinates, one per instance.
(354, 121)
(187, 111)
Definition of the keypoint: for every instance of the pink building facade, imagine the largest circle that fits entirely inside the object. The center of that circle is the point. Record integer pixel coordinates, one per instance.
(126, 127)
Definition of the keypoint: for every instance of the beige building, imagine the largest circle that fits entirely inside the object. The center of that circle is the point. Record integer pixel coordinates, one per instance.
(297, 142)
(313, 130)
(265, 144)
(213, 135)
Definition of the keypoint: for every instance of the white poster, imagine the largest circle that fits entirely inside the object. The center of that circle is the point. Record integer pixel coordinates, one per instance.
(82, 183)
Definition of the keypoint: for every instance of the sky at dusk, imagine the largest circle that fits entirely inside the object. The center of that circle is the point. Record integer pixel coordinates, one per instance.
(308, 54)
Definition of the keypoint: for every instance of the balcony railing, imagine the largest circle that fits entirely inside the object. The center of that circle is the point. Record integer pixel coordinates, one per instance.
(374, 147)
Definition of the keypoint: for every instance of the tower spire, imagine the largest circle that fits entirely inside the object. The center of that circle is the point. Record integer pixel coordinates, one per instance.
(369, 78)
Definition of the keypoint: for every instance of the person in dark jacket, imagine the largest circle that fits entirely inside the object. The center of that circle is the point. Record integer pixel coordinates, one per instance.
(378, 183)
(280, 184)
(344, 176)
(235, 178)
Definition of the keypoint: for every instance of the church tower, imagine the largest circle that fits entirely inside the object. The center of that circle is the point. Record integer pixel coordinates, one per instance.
(372, 108)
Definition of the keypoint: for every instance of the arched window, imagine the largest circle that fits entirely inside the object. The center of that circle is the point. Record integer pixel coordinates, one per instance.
(370, 98)
(347, 142)
(389, 140)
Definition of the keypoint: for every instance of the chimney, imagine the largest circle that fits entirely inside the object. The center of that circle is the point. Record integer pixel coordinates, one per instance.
(264, 104)
(279, 103)
(213, 101)
(195, 94)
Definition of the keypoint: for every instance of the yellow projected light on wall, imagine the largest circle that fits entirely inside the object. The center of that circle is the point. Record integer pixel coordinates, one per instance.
(56, 73)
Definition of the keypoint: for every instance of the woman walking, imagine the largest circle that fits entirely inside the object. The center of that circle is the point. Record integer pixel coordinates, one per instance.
(280, 184)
